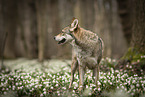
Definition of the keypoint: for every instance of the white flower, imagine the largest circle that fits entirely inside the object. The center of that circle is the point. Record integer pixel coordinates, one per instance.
(89, 77)
(137, 85)
(122, 87)
(73, 91)
(53, 81)
(75, 87)
(140, 78)
(108, 74)
(75, 84)
(125, 83)
(127, 65)
(44, 92)
(16, 84)
(87, 86)
(5, 92)
(112, 70)
(31, 84)
(99, 89)
(47, 85)
(57, 82)
(9, 86)
(104, 81)
(32, 89)
(7, 89)
(56, 85)
(133, 81)
(99, 83)
(130, 66)
(132, 94)
(41, 95)
(57, 91)
(44, 89)
(59, 94)
(13, 88)
(117, 71)
(109, 60)
(36, 86)
(64, 88)
(58, 78)
(40, 85)
(20, 83)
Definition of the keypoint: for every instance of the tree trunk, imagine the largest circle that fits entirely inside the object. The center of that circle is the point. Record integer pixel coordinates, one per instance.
(2, 32)
(138, 28)
(124, 8)
(26, 35)
(136, 51)
(10, 21)
(41, 7)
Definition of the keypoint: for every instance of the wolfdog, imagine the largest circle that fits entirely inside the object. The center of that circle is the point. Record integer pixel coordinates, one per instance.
(87, 50)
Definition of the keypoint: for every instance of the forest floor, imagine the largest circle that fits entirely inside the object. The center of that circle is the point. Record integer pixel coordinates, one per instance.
(30, 78)
(50, 66)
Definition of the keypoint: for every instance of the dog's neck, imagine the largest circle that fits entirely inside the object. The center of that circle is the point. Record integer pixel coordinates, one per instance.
(83, 39)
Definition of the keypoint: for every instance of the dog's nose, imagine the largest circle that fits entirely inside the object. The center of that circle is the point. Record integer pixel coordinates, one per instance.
(54, 37)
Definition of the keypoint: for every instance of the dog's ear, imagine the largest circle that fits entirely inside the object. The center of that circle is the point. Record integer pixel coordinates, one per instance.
(74, 24)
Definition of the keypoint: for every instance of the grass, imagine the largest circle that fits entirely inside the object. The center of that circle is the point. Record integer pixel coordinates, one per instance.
(111, 81)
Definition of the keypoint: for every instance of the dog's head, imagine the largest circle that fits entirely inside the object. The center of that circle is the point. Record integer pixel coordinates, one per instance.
(65, 36)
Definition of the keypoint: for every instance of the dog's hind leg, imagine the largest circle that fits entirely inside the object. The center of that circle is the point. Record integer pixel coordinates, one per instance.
(96, 74)
(82, 67)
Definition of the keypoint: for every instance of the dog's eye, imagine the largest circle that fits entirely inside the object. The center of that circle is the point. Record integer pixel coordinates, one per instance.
(62, 31)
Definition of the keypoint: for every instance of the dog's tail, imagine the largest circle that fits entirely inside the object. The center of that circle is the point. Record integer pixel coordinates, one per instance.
(101, 49)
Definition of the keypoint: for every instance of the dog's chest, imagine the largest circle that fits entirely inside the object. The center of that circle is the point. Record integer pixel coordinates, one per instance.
(82, 52)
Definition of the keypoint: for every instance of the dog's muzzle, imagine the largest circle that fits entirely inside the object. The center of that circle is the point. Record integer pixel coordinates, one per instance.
(61, 41)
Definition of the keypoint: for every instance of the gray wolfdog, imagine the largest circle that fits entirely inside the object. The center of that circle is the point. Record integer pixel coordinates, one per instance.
(87, 50)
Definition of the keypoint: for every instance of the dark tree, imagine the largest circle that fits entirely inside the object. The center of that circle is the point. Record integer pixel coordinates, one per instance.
(137, 41)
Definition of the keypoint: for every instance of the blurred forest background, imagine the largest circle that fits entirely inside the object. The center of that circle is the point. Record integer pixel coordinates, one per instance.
(31, 25)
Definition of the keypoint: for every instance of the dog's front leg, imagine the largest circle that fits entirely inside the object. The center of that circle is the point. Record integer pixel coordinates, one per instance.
(81, 75)
(74, 66)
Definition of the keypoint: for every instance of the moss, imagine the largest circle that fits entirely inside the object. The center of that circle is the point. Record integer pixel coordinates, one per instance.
(133, 55)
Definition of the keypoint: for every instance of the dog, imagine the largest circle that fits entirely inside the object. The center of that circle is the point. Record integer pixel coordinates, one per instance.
(87, 50)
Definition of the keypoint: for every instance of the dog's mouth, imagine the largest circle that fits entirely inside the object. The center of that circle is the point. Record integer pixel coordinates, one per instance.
(62, 41)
